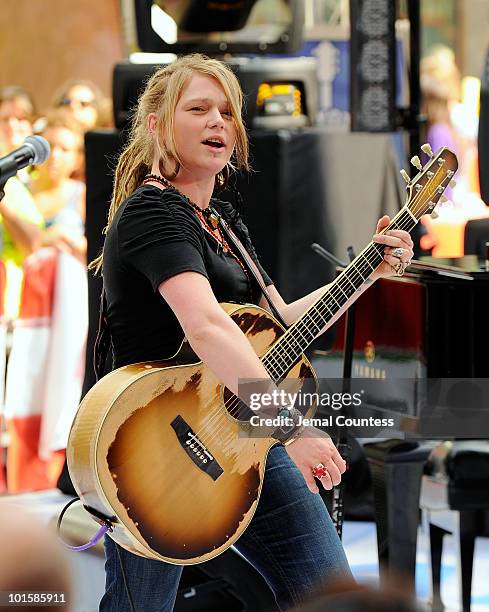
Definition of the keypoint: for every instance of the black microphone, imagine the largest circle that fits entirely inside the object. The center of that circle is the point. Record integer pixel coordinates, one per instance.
(35, 150)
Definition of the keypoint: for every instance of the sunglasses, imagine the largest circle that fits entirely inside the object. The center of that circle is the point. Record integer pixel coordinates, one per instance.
(82, 103)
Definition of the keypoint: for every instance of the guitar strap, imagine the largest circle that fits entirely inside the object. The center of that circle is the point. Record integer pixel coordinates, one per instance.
(102, 340)
(252, 267)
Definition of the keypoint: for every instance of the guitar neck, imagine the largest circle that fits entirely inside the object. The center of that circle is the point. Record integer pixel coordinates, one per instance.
(281, 357)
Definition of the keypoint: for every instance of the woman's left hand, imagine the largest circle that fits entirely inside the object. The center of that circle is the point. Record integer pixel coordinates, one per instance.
(398, 250)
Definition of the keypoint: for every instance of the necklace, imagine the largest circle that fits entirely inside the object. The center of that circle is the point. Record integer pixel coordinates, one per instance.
(208, 217)
(208, 213)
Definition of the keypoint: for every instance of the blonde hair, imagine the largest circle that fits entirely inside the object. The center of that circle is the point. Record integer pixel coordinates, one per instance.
(160, 96)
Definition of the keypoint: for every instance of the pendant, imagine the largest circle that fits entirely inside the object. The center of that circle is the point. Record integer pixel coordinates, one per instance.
(213, 220)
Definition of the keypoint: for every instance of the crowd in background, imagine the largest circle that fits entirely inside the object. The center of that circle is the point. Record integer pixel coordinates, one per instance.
(43, 280)
(45, 206)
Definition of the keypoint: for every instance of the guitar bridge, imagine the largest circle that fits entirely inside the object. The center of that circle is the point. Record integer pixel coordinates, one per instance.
(195, 448)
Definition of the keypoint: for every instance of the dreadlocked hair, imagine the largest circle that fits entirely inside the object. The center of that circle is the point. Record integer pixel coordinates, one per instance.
(160, 96)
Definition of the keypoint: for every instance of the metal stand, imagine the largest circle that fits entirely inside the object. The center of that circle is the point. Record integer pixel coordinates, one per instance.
(340, 435)
(410, 118)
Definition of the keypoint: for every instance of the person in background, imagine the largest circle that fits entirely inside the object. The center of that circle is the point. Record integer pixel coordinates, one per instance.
(440, 87)
(350, 597)
(60, 198)
(17, 113)
(33, 560)
(82, 99)
(20, 221)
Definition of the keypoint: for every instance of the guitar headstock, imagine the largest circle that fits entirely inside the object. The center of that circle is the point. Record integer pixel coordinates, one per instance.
(427, 187)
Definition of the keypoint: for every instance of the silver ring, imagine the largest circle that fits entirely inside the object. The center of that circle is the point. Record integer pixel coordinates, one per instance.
(398, 252)
(400, 268)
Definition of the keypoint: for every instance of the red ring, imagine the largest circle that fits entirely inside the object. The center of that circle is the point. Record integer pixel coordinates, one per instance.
(319, 471)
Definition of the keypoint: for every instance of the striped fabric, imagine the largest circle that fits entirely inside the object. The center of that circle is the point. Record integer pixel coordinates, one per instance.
(45, 368)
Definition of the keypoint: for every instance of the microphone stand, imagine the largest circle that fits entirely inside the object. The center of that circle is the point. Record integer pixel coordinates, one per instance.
(340, 438)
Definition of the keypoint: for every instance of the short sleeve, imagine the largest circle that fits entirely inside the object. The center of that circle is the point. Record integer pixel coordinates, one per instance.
(237, 223)
(159, 236)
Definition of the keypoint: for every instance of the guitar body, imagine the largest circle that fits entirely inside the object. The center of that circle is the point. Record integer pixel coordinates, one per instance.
(155, 447)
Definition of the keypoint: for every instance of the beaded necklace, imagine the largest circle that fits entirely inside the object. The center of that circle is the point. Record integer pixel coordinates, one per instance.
(208, 217)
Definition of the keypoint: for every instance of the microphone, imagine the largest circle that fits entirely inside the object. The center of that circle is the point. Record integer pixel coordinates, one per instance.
(35, 150)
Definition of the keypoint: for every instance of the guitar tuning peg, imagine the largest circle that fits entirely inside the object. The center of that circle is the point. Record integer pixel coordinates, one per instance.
(452, 183)
(405, 175)
(443, 198)
(416, 162)
(427, 149)
(434, 214)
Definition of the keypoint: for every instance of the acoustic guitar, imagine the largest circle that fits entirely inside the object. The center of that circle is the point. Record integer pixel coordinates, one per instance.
(166, 452)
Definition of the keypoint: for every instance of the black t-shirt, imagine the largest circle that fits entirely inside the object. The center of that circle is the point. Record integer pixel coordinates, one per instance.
(154, 235)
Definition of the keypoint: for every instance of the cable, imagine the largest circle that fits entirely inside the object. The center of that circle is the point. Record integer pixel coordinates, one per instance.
(124, 578)
(107, 526)
(102, 531)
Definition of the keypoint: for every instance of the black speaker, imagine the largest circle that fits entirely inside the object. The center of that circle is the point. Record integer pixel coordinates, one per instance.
(129, 80)
(476, 235)
(101, 150)
(217, 27)
(483, 140)
(372, 66)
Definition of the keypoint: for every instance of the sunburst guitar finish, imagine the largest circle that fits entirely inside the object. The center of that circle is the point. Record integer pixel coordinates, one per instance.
(155, 446)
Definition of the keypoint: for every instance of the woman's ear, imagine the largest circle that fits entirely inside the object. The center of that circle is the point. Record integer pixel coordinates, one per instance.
(152, 120)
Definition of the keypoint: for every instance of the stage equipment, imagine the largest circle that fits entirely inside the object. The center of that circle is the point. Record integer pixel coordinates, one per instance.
(373, 66)
(483, 140)
(409, 348)
(476, 237)
(225, 479)
(279, 92)
(215, 27)
(373, 75)
(35, 150)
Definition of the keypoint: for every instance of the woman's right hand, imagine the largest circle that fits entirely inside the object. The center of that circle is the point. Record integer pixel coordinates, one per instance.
(312, 447)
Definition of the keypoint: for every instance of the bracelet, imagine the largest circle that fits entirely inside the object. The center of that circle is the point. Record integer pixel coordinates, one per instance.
(288, 433)
(295, 435)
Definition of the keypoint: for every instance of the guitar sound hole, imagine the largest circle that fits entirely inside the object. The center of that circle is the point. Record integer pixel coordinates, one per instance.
(235, 407)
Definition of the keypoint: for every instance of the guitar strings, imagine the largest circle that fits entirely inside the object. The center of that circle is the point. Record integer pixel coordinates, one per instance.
(216, 415)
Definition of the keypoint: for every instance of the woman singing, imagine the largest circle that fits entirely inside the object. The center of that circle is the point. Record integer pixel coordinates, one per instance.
(166, 268)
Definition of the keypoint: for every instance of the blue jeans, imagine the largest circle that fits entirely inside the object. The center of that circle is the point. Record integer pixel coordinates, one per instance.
(291, 541)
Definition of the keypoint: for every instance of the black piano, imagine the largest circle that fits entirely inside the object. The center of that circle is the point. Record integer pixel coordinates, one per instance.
(425, 335)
